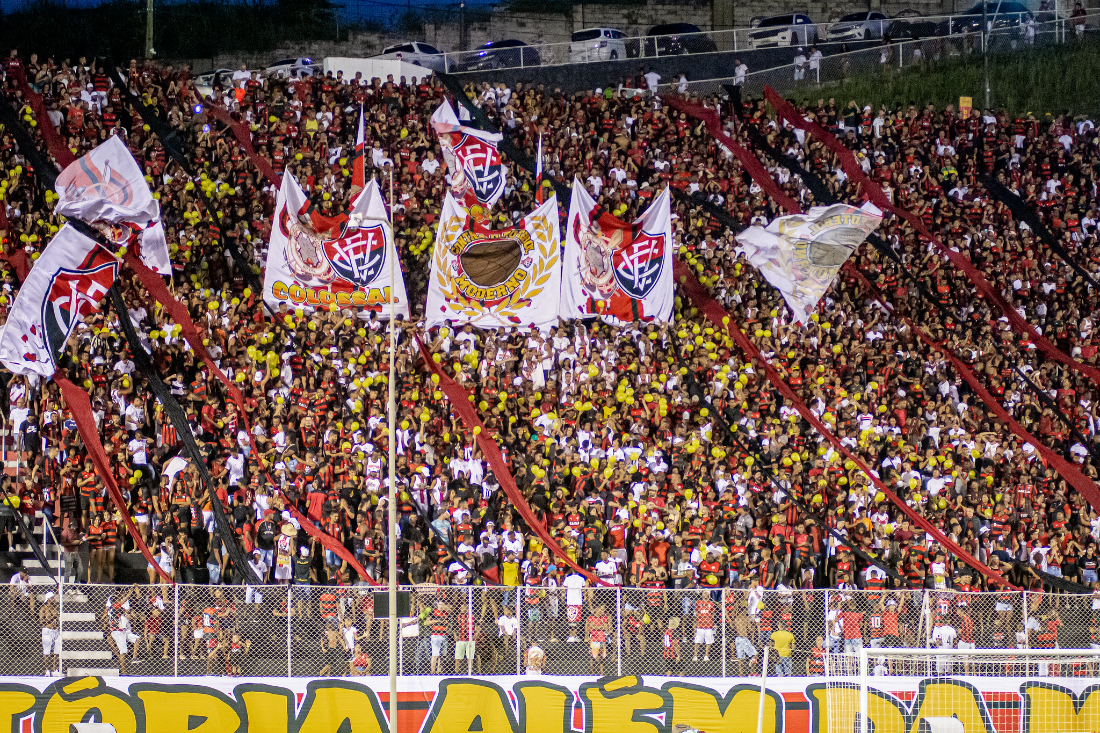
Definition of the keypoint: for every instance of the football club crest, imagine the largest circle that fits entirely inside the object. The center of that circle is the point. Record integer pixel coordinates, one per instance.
(358, 257)
(73, 295)
(638, 265)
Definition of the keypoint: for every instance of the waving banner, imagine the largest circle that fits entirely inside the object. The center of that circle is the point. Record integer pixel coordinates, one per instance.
(306, 270)
(64, 286)
(107, 189)
(617, 270)
(495, 278)
(476, 171)
(801, 254)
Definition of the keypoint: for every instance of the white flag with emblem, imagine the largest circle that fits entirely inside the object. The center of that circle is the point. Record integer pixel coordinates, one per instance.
(616, 270)
(307, 270)
(68, 281)
(493, 279)
(800, 255)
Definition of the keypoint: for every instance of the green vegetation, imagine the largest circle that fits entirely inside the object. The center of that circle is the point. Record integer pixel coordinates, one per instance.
(1051, 79)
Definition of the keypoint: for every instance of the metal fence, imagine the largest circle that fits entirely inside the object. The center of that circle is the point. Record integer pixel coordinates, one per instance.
(873, 61)
(914, 32)
(309, 631)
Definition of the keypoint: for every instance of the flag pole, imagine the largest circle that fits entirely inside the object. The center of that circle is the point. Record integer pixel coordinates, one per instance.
(392, 509)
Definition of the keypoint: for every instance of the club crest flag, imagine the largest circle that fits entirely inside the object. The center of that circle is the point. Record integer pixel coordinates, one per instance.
(307, 270)
(800, 255)
(491, 279)
(620, 271)
(65, 285)
(106, 189)
(472, 158)
(106, 184)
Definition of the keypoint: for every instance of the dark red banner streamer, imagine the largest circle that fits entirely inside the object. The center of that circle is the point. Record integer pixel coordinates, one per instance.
(154, 283)
(876, 195)
(460, 403)
(81, 408)
(243, 134)
(717, 315)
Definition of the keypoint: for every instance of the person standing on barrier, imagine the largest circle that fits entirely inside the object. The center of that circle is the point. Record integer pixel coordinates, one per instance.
(598, 627)
(743, 649)
(50, 617)
(740, 71)
(782, 641)
(704, 626)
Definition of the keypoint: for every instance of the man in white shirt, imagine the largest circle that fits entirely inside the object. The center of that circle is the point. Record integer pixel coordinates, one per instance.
(800, 65)
(431, 165)
(815, 63)
(135, 415)
(574, 584)
(234, 464)
(652, 79)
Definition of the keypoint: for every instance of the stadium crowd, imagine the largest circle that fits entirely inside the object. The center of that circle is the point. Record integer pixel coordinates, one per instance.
(631, 474)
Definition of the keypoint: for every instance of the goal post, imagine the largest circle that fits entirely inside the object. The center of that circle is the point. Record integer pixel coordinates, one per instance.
(949, 690)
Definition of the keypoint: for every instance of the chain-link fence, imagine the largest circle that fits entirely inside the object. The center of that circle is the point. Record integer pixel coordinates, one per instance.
(333, 631)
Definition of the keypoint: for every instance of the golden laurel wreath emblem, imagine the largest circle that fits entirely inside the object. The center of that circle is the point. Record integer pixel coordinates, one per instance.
(530, 288)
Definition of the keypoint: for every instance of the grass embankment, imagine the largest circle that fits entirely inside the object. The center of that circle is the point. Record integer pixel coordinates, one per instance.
(1052, 79)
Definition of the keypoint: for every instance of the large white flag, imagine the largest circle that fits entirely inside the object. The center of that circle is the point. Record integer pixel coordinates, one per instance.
(106, 189)
(495, 279)
(471, 156)
(106, 184)
(305, 270)
(800, 255)
(620, 271)
(66, 284)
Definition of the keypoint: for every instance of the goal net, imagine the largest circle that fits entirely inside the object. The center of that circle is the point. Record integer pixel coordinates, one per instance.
(948, 690)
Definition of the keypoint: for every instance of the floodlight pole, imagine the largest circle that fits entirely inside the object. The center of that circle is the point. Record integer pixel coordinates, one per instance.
(148, 29)
(985, 52)
(392, 508)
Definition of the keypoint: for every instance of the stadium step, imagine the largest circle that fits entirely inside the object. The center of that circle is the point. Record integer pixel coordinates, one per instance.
(92, 672)
(85, 654)
(78, 617)
(82, 636)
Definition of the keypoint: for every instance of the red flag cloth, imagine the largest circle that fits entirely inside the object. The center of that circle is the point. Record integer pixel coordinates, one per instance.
(748, 160)
(358, 163)
(81, 408)
(1065, 469)
(154, 283)
(54, 142)
(19, 261)
(714, 312)
(460, 403)
(875, 194)
(243, 134)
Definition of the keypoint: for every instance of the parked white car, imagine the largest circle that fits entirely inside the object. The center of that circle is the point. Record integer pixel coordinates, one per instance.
(419, 53)
(204, 83)
(296, 68)
(784, 30)
(597, 44)
(862, 26)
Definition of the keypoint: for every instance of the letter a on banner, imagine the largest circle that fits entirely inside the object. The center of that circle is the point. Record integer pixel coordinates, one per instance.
(66, 284)
(493, 279)
(620, 271)
(305, 270)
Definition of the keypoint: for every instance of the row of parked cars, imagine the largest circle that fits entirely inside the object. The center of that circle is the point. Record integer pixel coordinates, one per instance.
(796, 29)
(670, 39)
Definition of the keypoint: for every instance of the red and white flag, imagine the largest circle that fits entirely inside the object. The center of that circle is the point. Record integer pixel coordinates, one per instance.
(65, 285)
(618, 270)
(106, 189)
(357, 166)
